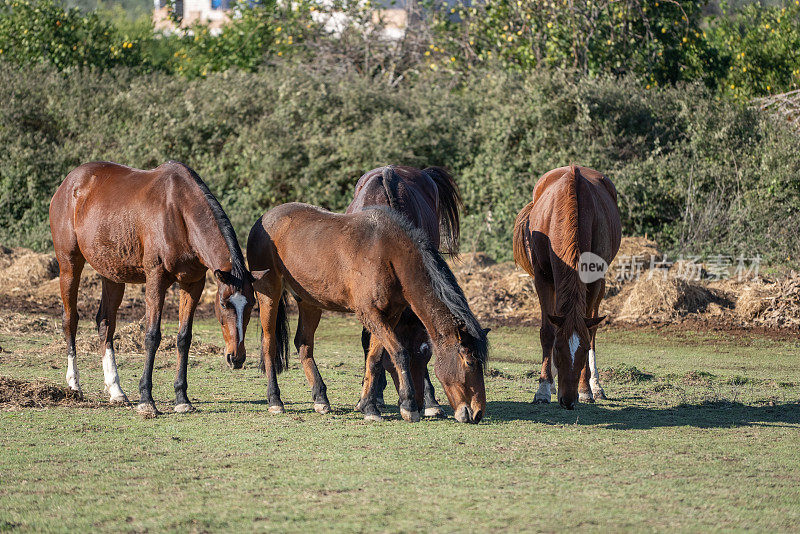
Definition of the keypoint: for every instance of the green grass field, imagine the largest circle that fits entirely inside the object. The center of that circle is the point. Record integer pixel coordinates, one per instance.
(700, 433)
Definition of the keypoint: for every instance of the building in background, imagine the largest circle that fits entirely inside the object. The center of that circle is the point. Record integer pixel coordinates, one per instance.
(395, 15)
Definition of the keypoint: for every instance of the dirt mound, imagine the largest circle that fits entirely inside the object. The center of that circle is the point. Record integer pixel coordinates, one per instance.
(26, 269)
(662, 299)
(40, 393)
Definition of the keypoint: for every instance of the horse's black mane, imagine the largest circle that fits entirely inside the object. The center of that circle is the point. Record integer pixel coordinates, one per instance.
(443, 281)
(238, 270)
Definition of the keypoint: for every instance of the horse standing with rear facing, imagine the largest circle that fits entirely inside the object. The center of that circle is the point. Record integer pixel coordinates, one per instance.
(375, 264)
(574, 211)
(430, 200)
(155, 227)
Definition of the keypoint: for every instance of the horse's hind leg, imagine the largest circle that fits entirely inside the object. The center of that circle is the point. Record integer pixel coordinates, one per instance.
(106, 325)
(70, 266)
(432, 408)
(304, 342)
(381, 375)
(189, 297)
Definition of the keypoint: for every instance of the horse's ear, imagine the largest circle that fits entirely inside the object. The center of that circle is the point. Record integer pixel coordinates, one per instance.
(257, 276)
(223, 277)
(556, 320)
(486, 331)
(594, 322)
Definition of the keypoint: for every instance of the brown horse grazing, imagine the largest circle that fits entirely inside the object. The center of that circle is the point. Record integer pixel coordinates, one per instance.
(430, 199)
(574, 212)
(376, 264)
(155, 227)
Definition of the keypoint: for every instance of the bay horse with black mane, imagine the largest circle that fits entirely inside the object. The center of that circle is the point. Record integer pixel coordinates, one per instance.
(155, 227)
(430, 200)
(373, 263)
(572, 220)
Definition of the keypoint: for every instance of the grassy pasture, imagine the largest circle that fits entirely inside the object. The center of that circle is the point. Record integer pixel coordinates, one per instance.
(700, 432)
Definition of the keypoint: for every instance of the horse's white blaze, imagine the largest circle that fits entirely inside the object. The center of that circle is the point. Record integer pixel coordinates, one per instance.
(594, 382)
(239, 301)
(111, 376)
(72, 374)
(574, 343)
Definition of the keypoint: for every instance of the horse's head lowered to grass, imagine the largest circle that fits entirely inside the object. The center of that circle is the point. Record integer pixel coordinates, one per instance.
(233, 306)
(460, 367)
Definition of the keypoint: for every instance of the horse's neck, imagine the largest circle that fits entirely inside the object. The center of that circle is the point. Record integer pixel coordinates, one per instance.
(570, 293)
(209, 245)
(437, 319)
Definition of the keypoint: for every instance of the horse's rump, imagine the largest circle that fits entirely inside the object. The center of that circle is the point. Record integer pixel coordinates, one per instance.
(429, 198)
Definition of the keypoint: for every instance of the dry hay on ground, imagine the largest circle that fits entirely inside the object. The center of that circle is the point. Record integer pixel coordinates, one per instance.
(40, 393)
(775, 305)
(663, 299)
(22, 269)
(497, 291)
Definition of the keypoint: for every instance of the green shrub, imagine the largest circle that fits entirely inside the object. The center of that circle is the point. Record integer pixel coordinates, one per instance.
(42, 31)
(698, 174)
(762, 46)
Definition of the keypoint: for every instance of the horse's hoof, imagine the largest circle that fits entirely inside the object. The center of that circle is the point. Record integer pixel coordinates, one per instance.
(541, 400)
(434, 411)
(321, 407)
(277, 408)
(120, 400)
(599, 395)
(411, 417)
(184, 407)
(586, 397)
(373, 417)
(380, 403)
(147, 409)
(359, 405)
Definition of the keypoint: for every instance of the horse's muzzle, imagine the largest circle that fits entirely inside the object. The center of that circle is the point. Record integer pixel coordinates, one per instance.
(568, 404)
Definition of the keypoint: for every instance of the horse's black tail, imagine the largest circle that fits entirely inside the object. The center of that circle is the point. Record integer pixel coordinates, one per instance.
(450, 203)
(281, 339)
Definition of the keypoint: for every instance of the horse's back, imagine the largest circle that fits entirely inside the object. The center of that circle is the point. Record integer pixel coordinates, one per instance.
(325, 258)
(120, 217)
(598, 221)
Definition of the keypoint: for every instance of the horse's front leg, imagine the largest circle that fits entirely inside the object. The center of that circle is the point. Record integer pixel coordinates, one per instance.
(384, 332)
(304, 342)
(545, 292)
(189, 298)
(591, 367)
(155, 288)
(268, 305)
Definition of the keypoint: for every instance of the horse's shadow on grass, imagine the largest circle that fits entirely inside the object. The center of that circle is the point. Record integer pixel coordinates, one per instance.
(720, 414)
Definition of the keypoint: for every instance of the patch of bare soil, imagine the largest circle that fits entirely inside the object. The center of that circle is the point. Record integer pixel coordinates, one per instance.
(129, 339)
(40, 393)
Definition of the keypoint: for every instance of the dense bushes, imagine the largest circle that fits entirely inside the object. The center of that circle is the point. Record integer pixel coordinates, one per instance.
(699, 174)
